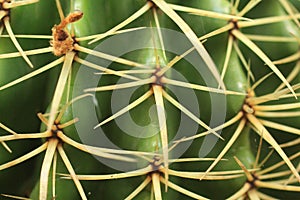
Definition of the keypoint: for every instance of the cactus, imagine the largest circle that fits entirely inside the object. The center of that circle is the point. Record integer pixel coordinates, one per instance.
(149, 99)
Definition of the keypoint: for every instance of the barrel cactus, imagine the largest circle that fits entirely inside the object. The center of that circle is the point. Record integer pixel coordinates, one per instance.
(149, 99)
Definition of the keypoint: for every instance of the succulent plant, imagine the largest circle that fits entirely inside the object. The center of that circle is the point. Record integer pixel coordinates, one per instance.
(149, 99)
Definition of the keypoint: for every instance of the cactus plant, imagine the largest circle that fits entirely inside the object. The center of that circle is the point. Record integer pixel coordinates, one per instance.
(149, 99)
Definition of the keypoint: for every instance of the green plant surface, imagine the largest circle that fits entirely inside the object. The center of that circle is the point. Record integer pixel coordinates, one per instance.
(19, 105)
(248, 51)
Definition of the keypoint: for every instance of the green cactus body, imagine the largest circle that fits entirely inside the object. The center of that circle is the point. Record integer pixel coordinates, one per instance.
(274, 50)
(20, 103)
(64, 188)
(146, 134)
(198, 122)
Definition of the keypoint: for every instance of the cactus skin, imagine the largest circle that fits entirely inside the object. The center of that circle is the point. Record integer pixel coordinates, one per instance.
(20, 104)
(110, 13)
(274, 50)
(65, 189)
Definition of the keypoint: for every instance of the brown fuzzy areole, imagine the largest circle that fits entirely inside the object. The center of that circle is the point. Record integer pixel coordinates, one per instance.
(62, 41)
